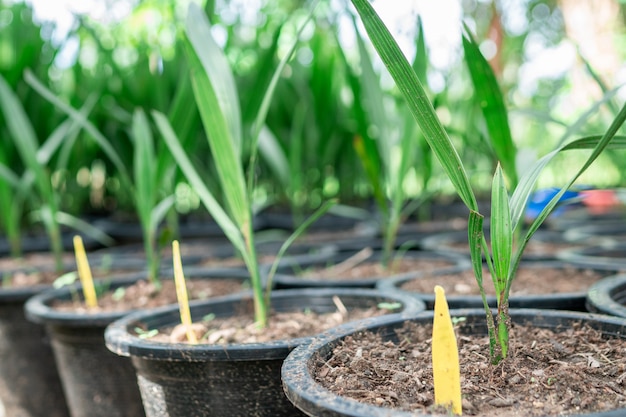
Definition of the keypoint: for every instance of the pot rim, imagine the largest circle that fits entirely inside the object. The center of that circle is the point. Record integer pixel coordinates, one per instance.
(601, 296)
(119, 339)
(296, 367)
(39, 310)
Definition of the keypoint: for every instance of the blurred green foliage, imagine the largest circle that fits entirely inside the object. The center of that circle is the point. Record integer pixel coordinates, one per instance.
(134, 60)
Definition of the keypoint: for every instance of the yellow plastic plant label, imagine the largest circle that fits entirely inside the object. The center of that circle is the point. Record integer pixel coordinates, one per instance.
(181, 293)
(84, 273)
(445, 356)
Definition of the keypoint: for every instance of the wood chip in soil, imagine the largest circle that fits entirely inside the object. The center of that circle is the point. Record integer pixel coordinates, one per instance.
(549, 373)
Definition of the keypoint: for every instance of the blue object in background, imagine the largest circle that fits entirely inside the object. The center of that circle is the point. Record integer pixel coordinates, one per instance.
(540, 198)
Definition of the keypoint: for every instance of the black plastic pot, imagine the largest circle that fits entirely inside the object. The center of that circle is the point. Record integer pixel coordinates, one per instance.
(608, 296)
(181, 380)
(41, 243)
(544, 245)
(578, 216)
(609, 257)
(29, 381)
(289, 274)
(574, 301)
(314, 400)
(96, 382)
(27, 366)
(606, 233)
(128, 230)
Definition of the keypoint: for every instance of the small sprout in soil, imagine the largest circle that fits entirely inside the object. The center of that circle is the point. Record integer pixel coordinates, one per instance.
(65, 279)
(145, 334)
(389, 306)
(457, 320)
(119, 293)
(209, 317)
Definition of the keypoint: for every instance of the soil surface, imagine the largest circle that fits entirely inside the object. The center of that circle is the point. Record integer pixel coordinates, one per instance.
(572, 372)
(144, 294)
(373, 269)
(529, 280)
(281, 326)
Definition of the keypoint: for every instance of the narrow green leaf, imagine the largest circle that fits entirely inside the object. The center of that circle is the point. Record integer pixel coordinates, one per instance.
(420, 62)
(82, 121)
(487, 93)
(217, 104)
(417, 100)
(216, 71)
(373, 100)
(84, 227)
(24, 138)
(274, 155)
(144, 166)
(292, 238)
(602, 143)
(501, 231)
(8, 177)
(527, 183)
(475, 238)
(198, 185)
(160, 210)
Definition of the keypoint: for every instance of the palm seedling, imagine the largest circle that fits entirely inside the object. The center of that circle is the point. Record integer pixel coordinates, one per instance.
(507, 208)
(218, 103)
(35, 184)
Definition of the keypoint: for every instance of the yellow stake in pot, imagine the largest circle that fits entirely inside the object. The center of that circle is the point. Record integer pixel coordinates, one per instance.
(84, 273)
(181, 293)
(445, 356)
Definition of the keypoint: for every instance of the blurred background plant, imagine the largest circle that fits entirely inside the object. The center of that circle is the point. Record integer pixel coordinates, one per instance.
(128, 55)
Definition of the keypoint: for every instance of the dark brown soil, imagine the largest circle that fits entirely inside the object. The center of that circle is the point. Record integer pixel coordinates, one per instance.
(144, 294)
(572, 372)
(281, 326)
(371, 269)
(529, 280)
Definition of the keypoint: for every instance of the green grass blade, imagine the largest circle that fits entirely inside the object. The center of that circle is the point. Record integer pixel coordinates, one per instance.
(259, 120)
(417, 100)
(160, 210)
(491, 100)
(217, 102)
(274, 155)
(10, 208)
(420, 62)
(216, 69)
(292, 238)
(219, 215)
(7, 176)
(144, 166)
(22, 133)
(475, 238)
(501, 231)
(85, 228)
(373, 100)
(583, 119)
(602, 143)
(82, 121)
(527, 183)
(63, 136)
